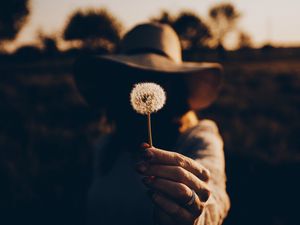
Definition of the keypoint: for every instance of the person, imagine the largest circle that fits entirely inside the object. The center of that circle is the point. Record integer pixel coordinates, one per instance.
(179, 180)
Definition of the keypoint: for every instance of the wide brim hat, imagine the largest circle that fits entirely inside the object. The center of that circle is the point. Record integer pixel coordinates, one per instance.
(150, 52)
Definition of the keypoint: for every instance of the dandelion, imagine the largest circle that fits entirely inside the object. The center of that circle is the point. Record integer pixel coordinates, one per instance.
(147, 98)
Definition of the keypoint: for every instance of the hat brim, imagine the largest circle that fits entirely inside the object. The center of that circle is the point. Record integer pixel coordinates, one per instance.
(162, 64)
(88, 71)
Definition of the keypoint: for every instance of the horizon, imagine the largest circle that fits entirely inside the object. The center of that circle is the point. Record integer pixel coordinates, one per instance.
(262, 27)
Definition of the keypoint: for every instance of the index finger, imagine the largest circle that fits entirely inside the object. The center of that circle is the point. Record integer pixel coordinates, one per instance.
(158, 156)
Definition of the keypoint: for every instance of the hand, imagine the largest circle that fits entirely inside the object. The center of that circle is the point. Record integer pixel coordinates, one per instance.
(172, 178)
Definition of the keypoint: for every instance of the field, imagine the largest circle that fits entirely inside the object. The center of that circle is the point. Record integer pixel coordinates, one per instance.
(258, 114)
(47, 132)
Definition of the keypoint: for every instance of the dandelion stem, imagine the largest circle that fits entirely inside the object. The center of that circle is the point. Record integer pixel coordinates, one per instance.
(149, 130)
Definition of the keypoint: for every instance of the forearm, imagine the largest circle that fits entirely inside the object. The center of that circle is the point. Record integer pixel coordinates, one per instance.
(218, 204)
(215, 211)
(206, 148)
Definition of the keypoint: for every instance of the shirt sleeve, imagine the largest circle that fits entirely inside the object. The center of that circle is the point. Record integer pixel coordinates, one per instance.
(204, 144)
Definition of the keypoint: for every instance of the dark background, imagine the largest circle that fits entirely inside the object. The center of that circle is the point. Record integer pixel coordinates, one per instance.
(47, 131)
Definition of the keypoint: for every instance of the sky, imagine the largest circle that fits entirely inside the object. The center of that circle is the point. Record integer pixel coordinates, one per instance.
(277, 21)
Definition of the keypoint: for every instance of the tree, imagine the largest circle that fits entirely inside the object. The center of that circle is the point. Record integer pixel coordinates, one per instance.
(192, 31)
(244, 41)
(164, 18)
(224, 17)
(49, 44)
(93, 29)
(13, 15)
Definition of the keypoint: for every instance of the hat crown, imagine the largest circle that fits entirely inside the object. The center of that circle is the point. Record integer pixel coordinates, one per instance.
(154, 38)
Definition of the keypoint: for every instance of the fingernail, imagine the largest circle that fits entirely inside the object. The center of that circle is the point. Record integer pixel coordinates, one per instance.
(148, 180)
(145, 145)
(141, 167)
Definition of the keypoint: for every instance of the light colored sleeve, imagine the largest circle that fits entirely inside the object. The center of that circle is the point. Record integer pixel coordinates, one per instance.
(204, 144)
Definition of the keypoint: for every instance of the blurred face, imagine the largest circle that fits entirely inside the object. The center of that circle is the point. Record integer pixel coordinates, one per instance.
(203, 90)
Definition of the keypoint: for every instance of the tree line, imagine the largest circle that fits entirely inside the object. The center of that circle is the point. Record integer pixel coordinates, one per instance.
(99, 29)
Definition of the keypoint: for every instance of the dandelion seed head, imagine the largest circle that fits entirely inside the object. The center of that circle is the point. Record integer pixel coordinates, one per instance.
(147, 98)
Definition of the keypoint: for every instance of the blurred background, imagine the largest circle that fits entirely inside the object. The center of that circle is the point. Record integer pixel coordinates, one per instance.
(47, 132)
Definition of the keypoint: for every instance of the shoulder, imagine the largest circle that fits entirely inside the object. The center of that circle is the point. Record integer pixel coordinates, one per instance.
(204, 129)
(204, 136)
(204, 126)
